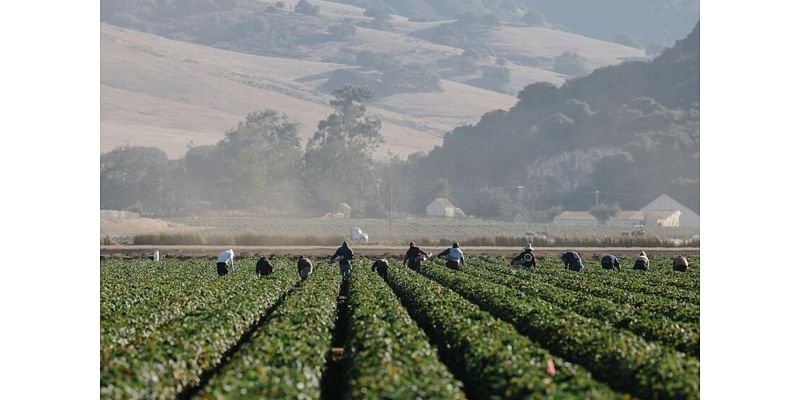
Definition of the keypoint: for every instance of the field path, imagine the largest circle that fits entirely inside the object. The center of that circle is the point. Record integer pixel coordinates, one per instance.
(380, 250)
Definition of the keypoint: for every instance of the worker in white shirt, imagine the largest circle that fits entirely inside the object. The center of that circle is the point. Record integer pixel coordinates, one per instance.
(225, 262)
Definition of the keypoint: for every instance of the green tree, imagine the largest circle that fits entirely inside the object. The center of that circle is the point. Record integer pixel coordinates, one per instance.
(131, 174)
(495, 203)
(261, 157)
(604, 212)
(338, 164)
(305, 7)
(442, 189)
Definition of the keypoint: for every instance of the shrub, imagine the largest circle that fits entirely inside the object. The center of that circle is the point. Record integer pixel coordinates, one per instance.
(305, 7)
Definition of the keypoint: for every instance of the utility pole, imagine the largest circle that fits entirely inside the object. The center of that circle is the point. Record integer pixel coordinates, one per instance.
(596, 198)
(391, 193)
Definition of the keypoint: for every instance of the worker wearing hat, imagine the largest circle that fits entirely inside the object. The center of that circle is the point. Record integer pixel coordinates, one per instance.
(526, 258)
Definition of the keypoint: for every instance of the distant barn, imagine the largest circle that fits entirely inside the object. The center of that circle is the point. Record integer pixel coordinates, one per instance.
(664, 203)
(442, 208)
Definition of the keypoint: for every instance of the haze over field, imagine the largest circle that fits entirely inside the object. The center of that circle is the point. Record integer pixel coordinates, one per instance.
(376, 107)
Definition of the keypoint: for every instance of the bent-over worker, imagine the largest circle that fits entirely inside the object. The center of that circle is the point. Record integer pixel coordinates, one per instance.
(572, 261)
(304, 267)
(224, 262)
(382, 267)
(526, 258)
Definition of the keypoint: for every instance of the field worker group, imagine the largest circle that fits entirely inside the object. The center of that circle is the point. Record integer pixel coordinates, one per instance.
(454, 259)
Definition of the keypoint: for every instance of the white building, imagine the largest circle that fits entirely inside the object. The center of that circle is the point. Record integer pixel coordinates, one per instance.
(441, 207)
(664, 202)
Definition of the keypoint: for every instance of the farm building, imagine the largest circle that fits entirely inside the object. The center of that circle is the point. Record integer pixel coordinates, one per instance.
(624, 218)
(443, 208)
(687, 217)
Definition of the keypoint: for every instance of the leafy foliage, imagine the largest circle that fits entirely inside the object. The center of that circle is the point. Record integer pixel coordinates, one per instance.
(626, 361)
(604, 212)
(173, 357)
(501, 363)
(388, 353)
(286, 358)
(167, 324)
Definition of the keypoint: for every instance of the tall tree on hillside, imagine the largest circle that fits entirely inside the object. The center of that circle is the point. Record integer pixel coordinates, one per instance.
(338, 163)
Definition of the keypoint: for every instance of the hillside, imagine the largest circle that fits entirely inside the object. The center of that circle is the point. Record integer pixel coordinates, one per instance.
(166, 93)
(631, 131)
(200, 68)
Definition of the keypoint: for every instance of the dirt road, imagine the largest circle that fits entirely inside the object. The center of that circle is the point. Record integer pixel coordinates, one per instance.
(378, 250)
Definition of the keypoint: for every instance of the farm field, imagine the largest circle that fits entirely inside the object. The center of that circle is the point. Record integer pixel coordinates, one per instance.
(406, 228)
(174, 329)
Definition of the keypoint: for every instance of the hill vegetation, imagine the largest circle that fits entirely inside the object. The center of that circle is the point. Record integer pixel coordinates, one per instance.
(629, 131)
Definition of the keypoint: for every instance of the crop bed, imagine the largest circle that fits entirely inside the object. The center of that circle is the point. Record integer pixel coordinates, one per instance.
(174, 329)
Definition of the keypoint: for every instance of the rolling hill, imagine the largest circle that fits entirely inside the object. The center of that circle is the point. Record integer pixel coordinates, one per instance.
(166, 93)
(200, 69)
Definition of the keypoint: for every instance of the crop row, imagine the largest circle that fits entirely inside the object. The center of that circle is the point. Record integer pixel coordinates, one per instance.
(660, 272)
(286, 357)
(672, 309)
(658, 281)
(127, 283)
(388, 354)
(488, 355)
(682, 336)
(627, 362)
(123, 330)
(173, 358)
(646, 283)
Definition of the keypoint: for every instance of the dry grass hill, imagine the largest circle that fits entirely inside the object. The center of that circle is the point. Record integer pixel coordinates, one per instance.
(168, 93)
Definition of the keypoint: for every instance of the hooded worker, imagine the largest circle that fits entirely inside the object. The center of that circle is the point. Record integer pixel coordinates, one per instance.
(304, 267)
(610, 261)
(263, 267)
(381, 266)
(454, 257)
(642, 262)
(414, 257)
(680, 264)
(526, 258)
(572, 261)
(344, 255)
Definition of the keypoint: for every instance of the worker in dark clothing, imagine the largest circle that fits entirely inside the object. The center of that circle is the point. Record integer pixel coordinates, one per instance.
(610, 261)
(304, 267)
(642, 262)
(526, 258)
(414, 257)
(572, 261)
(382, 267)
(344, 255)
(263, 267)
(454, 257)
(680, 264)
